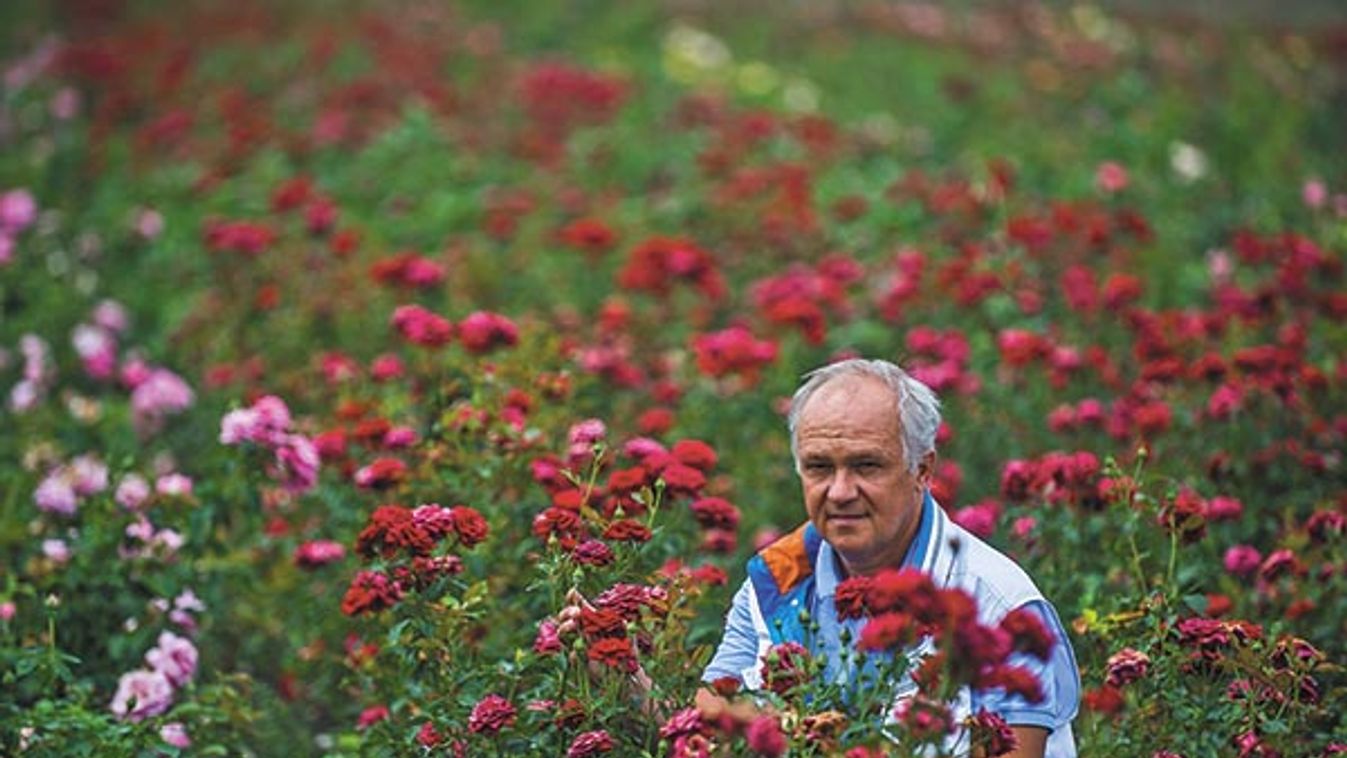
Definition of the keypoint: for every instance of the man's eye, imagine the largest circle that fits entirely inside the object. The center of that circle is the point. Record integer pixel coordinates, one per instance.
(816, 467)
(868, 467)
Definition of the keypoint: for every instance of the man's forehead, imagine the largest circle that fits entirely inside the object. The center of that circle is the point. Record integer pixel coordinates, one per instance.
(849, 392)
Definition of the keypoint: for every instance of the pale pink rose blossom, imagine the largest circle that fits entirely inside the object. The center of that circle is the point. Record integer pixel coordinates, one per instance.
(141, 529)
(56, 494)
(135, 371)
(7, 611)
(56, 551)
(162, 393)
(149, 223)
(175, 734)
(132, 491)
(1110, 177)
(36, 358)
(169, 540)
(1314, 193)
(183, 619)
(65, 104)
(97, 349)
(266, 421)
(25, 396)
(175, 657)
(174, 485)
(298, 462)
(88, 475)
(188, 601)
(18, 211)
(111, 315)
(141, 694)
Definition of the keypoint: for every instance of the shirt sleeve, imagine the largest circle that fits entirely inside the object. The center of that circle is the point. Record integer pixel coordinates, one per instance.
(738, 648)
(1058, 677)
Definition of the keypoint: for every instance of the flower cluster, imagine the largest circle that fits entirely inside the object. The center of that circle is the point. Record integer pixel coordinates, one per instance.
(149, 692)
(267, 424)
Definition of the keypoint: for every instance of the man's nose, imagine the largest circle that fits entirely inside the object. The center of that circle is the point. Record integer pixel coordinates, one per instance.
(842, 486)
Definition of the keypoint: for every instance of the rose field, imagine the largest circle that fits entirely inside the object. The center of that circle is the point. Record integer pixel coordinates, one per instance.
(409, 377)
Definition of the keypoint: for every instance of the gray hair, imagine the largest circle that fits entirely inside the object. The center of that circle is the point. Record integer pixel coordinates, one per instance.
(917, 406)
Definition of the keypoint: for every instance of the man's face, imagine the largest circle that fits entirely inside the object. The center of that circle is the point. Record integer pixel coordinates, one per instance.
(857, 489)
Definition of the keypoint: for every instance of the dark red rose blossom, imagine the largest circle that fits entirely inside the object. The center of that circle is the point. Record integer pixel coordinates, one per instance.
(627, 479)
(563, 523)
(588, 744)
(588, 234)
(888, 631)
(614, 652)
(764, 736)
(491, 714)
(601, 622)
(592, 553)
(990, 734)
(482, 332)
(1185, 514)
(370, 592)
(381, 473)
(371, 716)
(682, 480)
(408, 270)
(627, 530)
(1015, 680)
(715, 512)
(733, 351)
(850, 597)
(469, 525)
(426, 736)
(1028, 634)
(695, 453)
(1106, 700)
(390, 528)
(422, 327)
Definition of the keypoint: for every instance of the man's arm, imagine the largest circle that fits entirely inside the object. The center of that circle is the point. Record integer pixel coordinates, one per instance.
(1033, 741)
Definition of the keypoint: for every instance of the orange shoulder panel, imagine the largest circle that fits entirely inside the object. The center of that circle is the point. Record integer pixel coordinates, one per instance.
(787, 560)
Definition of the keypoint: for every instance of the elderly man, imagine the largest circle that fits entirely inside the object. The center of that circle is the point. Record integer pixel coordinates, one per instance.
(863, 435)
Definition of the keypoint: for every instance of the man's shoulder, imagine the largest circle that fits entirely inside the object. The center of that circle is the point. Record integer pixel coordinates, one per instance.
(995, 580)
(788, 561)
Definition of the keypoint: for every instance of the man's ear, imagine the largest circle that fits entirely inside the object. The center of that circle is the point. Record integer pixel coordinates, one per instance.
(926, 470)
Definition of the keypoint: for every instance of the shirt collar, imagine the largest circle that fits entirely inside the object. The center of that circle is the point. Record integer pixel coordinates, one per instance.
(828, 572)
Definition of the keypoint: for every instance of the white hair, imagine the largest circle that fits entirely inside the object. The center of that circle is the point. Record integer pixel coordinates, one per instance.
(917, 406)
